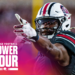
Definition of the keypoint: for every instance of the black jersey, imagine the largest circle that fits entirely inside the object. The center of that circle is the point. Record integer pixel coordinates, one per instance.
(67, 38)
(47, 65)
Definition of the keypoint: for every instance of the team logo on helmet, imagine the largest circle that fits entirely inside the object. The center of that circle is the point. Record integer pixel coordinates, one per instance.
(65, 11)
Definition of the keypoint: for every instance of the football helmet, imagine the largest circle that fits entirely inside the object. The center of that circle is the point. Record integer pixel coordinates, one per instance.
(53, 13)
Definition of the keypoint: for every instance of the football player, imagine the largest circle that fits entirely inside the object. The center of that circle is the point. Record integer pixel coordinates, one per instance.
(53, 39)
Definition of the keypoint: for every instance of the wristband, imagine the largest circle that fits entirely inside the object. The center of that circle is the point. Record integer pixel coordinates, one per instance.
(36, 38)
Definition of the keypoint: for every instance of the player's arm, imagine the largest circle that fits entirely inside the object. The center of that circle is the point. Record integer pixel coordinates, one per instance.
(58, 51)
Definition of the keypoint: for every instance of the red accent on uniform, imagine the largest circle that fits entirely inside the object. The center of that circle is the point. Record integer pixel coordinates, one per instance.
(69, 18)
(26, 22)
(67, 37)
(44, 10)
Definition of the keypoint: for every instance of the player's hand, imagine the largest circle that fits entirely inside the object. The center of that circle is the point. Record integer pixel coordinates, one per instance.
(24, 29)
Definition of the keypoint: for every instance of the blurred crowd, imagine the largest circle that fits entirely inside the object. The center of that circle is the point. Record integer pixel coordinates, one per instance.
(8, 19)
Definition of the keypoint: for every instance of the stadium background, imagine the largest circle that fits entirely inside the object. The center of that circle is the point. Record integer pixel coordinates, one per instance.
(27, 9)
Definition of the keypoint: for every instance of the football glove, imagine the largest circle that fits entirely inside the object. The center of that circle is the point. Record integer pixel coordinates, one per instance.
(25, 29)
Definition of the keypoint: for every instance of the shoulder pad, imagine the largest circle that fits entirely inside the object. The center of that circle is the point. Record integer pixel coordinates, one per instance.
(67, 39)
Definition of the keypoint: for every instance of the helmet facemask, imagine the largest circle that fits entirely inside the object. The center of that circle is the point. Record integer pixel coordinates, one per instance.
(47, 27)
